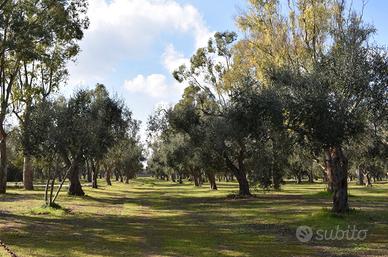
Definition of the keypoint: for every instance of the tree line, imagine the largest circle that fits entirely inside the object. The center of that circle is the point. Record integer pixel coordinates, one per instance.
(303, 93)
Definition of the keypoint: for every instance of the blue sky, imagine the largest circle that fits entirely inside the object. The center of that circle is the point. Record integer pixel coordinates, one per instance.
(132, 46)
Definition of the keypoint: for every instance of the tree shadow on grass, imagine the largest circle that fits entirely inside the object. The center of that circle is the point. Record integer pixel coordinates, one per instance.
(113, 235)
(167, 222)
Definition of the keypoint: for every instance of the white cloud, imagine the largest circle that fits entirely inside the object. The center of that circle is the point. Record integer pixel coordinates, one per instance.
(173, 59)
(154, 85)
(127, 29)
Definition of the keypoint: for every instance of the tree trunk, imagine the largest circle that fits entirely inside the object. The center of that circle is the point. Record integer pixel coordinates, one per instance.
(94, 174)
(311, 177)
(75, 187)
(337, 163)
(88, 172)
(3, 162)
(240, 175)
(52, 191)
(46, 192)
(59, 176)
(329, 172)
(243, 184)
(25, 124)
(61, 184)
(212, 181)
(360, 176)
(107, 177)
(196, 180)
(27, 172)
(368, 180)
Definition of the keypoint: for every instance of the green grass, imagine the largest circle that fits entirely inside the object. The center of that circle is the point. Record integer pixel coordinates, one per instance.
(156, 218)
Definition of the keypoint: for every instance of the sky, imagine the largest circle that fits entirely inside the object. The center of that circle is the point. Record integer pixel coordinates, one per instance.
(132, 46)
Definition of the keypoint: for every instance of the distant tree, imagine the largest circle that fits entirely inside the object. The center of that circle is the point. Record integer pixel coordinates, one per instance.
(126, 157)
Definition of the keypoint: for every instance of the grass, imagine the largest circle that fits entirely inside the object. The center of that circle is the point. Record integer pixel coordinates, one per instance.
(157, 218)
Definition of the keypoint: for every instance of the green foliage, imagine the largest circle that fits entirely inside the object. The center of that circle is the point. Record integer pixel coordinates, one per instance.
(90, 126)
(125, 157)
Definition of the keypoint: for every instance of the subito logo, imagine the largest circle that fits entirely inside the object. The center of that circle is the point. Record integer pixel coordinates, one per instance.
(304, 233)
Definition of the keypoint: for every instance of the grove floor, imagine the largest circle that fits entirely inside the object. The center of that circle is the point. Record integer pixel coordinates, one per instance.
(158, 218)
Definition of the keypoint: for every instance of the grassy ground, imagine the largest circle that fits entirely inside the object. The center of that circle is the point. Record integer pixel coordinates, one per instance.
(154, 218)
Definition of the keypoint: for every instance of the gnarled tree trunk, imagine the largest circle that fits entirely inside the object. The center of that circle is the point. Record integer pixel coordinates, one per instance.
(75, 187)
(337, 163)
(243, 184)
(240, 175)
(238, 170)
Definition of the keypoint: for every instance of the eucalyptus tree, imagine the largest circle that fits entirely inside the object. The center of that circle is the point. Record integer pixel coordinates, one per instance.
(30, 31)
(36, 81)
